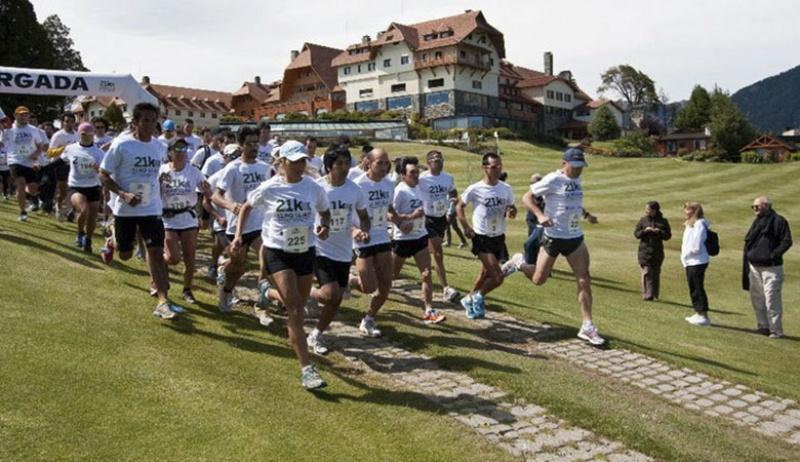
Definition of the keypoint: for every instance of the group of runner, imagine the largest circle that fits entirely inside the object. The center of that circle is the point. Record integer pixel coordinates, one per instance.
(304, 216)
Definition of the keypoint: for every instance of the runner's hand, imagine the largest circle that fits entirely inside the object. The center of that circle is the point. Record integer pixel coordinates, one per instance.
(131, 199)
(419, 213)
(236, 208)
(406, 227)
(545, 221)
(511, 212)
(164, 178)
(469, 232)
(323, 232)
(593, 219)
(236, 244)
(222, 221)
(362, 236)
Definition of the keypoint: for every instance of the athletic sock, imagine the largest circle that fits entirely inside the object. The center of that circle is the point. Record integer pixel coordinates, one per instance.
(316, 332)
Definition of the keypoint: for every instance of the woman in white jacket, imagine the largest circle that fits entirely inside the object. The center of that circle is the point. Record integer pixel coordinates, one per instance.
(694, 258)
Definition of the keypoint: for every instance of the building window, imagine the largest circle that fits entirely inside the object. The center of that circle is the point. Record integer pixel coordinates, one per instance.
(503, 104)
(491, 62)
(424, 56)
(202, 115)
(435, 83)
(398, 87)
(347, 70)
(428, 37)
(177, 112)
(550, 94)
(191, 113)
(437, 55)
(440, 97)
(387, 62)
(365, 93)
(445, 34)
(559, 96)
(358, 68)
(367, 106)
(370, 67)
(399, 102)
(482, 39)
(477, 84)
(567, 97)
(462, 54)
(213, 115)
(404, 60)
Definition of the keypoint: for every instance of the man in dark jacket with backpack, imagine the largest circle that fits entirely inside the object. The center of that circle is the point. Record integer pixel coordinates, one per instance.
(767, 240)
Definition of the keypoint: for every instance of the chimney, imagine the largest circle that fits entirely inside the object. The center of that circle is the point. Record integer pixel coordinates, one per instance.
(145, 80)
(293, 55)
(548, 63)
(258, 80)
(365, 39)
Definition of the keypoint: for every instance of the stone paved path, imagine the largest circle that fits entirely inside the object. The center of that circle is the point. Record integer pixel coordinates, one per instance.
(525, 430)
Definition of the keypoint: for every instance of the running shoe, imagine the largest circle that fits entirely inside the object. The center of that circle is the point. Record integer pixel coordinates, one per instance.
(221, 275)
(698, 320)
(60, 215)
(176, 308)
(446, 244)
(589, 334)
(212, 272)
(23, 216)
(369, 328)
(450, 295)
(263, 289)
(311, 379)
(163, 311)
(512, 266)
(479, 306)
(469, 308)
(107, 252)
(34, 207)
(188, 296)
(316, 343)
(225, 300)
(462, 245)
(433, 317)
(87, 245)
(79, 240)
(264, 318)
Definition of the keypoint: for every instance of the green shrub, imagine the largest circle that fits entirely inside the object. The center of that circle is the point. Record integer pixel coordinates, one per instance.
(794, 157)
(634, 144)
(750, 157)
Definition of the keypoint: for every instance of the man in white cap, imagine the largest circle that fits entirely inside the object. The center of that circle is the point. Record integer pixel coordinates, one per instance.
(24, 144)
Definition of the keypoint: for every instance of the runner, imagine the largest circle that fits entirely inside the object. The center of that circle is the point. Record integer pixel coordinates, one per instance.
(180, 182)
(438, 191)
(211, 149)
(334, 255)
(60, 169)
(289, 205)
(410, 238)
(5, 172)
(374, 258)
(492, 202)
(84, 160)
(188, 134)
(314, 166)
(563, 195)
(363, 164)
(130, 171)
(452, 223)
(24, 144)
(169, 134)
(265, 143)
(238, 179)
(101, 138)
(219, 222)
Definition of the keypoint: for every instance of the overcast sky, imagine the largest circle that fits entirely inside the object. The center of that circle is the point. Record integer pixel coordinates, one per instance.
(217, 44)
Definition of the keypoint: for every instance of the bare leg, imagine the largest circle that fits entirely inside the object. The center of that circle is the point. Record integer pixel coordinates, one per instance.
(435, 247)
(294, 292)
(330, 296)
(172, 247)
(579, 262)
(544, 265)
(423, 261)
(158, 272)
(189, 247)
(492, 274)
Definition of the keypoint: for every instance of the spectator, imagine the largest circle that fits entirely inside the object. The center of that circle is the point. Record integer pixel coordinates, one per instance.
(694, 258)
(535, 231)
(767, 240)
(652, 230)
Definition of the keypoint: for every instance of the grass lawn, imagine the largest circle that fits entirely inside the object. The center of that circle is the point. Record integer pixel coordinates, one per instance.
(88, 374)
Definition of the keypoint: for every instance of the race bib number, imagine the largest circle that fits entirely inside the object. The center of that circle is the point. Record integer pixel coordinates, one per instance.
(144, 191)
(494, 226)
(379, 217)
(419, 223)
(177, 202)
(440, 207)
(86, 169)
(574, 223)
(339, 220)
(295, 239)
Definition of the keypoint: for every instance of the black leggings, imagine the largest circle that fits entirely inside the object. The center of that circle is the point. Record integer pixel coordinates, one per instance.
(452, 222)
(5, 179)
(696, 276)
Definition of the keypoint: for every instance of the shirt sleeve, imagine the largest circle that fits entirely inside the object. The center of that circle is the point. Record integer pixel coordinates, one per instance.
(111, 159)
(321, 201)
(227, 178)
(542, 187)
(466, 196)
(511, 198)
(361, 201)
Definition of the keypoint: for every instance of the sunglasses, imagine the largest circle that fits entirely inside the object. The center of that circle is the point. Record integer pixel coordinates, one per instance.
(754, 207)
(99, 127)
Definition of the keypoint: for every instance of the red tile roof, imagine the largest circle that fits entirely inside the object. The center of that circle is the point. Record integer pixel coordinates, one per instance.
(318, 58)
(191, 98)
(258, 91)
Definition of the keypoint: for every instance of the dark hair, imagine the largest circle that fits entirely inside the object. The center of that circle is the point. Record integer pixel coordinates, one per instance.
(189, 121)
(179, 143)
(431, 153)
(47, 124)
(205, 130)
(219, 136)
(244, 132)
(503, 176)
(656, 207)
(101, 120)
(366, 149)
(334, 153)
(67, 114)
(310, 139)
(343, 140)
(401, 162)
(144, 107)
(487, 156)
(264, 124)
(229, 135)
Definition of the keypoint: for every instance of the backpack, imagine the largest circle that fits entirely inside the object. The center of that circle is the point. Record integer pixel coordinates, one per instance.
(712, 243)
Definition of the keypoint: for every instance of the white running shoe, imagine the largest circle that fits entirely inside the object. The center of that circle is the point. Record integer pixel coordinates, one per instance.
(264, 318)
(589, 334)
(225, 300)
(450, 295)
(162, 311)
(698, 320)
(317, 344)
(369, 328)
(512, 266)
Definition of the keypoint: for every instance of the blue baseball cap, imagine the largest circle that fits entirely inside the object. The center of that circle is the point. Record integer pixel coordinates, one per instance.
(575, 158)
(168, 126)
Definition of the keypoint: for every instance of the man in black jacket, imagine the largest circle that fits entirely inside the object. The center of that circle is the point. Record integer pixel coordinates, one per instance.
(767, 240)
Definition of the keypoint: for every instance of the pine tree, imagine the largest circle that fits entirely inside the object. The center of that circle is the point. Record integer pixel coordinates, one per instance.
(113, 114)
(697, 114)
(730, 128)
(604, 126)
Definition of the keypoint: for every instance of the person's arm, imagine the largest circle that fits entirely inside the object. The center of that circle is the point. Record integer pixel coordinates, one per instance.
(218, 198)
(639, 231)
(131, 199)
(589, 217)
(784, 235)
(529, 200)
(462, 219)
(244, 213)
(666, 233)
(209, 207)
(324, 228)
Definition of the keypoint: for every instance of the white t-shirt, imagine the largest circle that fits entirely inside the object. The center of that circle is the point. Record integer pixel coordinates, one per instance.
(238, 180)
(166, 141)
(180, 192)
(134, 165)
(83, 164)
(200, 155)
(354, 173)
(21, 142)
(344, 201)
(213, 181)
(213, 164)
(314, 167)
(489, 206)
(406, 200)
(563, 197)
(194, 142)
(379, 196)
(289, 211)
(103, 140)
(265, 152)
(435, 190)
(60, 139)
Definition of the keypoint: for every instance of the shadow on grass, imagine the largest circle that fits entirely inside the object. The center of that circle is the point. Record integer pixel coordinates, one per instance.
(686, 305)
(75, 256)
(692, 358)
(752, 331)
